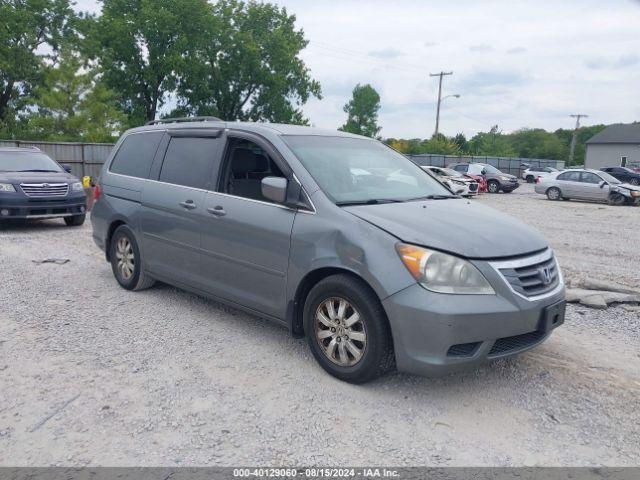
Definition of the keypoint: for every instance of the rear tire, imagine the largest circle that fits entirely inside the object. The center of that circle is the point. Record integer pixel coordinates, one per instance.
(332, 338)
(530, 179)
(126, 262)
(75, 221)
(493, 186)
(634, 181)
(554, 193)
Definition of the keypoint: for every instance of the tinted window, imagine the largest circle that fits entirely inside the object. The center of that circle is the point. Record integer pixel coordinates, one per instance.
(189, 161)
(570, 177)
(460, 168)
(135, 155)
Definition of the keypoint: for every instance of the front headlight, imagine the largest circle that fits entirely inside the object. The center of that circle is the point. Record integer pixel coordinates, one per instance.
(7, 187)
(458, 182)
(77, 187)
(442, 273)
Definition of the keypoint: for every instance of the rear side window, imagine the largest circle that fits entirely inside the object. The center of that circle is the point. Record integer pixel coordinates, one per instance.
(570, 177)
(190, 161)
(135, 155)
(461, 168)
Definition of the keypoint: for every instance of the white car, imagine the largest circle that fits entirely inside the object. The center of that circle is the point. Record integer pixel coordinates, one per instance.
(531, 174)
(456, 181)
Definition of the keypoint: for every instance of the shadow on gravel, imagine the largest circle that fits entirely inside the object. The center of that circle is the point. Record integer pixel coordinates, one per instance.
(31, 225)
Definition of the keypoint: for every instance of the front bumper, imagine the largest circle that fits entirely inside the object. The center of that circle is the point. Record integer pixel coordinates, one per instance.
(509, 186)
(25, 208)
(436, 334)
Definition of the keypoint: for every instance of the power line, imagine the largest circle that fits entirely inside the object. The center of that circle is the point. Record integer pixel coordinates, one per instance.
(441, 74)
(574, 137)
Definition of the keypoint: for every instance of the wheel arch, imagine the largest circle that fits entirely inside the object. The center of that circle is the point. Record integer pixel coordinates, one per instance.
(295, 306)
(110, 231)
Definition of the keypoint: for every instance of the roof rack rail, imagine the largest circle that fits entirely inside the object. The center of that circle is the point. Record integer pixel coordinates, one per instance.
(183, 119)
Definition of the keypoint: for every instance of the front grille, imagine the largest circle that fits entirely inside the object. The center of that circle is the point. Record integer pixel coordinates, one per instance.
(463, 349)
(533, 276)
(517, 342)
(40, 190)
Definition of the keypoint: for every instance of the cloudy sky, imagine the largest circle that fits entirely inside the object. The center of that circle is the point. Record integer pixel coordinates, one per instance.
(515, 63)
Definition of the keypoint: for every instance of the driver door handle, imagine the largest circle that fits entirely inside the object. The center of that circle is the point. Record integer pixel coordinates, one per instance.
(188, 204)
(218, 211)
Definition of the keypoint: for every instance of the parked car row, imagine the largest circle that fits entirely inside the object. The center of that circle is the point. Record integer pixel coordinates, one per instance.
(585, 184)
(463, 184)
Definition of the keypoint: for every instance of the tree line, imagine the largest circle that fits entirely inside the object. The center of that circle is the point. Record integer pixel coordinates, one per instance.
(68, 76)
(363, 110)
(76, 76)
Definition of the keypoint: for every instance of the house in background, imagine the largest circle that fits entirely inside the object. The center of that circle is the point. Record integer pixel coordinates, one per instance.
(616, 145)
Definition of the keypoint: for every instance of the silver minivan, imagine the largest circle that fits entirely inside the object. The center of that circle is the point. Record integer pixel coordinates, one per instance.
(335, 236)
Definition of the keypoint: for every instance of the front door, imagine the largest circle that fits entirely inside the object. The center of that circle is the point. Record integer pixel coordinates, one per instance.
(245, 237)
(592, 188)
(172, 205)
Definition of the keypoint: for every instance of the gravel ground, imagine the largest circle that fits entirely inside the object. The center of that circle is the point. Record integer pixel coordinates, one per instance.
(93, 375)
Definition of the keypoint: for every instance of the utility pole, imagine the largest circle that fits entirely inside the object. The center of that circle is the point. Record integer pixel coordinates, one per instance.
(441, 74)
(574, 137)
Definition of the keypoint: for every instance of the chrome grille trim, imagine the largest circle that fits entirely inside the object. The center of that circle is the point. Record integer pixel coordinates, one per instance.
(41, 190)
(523, 278)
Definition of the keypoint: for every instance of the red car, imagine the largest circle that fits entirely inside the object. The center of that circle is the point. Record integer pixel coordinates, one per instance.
(482, 182)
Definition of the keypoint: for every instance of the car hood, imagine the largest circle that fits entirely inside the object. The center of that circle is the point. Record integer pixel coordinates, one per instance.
(628, 186)
(36, 177)
(457, 226)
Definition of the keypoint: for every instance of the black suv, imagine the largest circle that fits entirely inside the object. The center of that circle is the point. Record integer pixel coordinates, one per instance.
(33, 186)
(624, 174)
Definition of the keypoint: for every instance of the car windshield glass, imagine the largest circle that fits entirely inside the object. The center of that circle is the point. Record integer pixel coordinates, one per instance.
(608, 178)
(355, 170)
(27, 162)
(491, 169)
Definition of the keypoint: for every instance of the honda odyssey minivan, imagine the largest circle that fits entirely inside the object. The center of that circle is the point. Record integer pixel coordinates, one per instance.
(335, 236)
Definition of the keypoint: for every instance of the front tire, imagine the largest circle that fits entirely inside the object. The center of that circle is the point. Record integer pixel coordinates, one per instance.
(554, 194)
(75, 221)
(126, 262)
(347, 329)
(493, 186)
(634, 181)
(617, 199)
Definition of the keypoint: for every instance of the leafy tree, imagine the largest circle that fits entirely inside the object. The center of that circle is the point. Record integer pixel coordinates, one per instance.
(461, 141)
(362, 111)
(247, 66)
(493, 143)
(440, 144)
(537, 143)
(28, 28)
(71, 105)
(140, 44)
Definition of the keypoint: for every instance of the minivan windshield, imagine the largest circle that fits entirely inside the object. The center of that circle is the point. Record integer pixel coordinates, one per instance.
(27, 162)
(358, 170)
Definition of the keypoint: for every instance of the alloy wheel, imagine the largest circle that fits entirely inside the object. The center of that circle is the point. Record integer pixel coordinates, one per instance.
(340, 331)
(125, 257)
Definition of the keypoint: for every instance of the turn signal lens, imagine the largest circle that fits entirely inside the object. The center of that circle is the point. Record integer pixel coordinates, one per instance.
(443, 273)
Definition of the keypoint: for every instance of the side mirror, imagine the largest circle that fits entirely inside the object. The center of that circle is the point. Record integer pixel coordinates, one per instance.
(67, 168)
(484, 171)
(274, 189)
(603, 183)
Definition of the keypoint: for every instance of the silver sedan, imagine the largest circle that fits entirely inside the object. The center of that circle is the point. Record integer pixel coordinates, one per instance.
(584, 184)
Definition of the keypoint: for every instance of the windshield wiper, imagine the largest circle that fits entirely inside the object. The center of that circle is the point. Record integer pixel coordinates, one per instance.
(38, 170)
(370, 201)
(432, 197)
